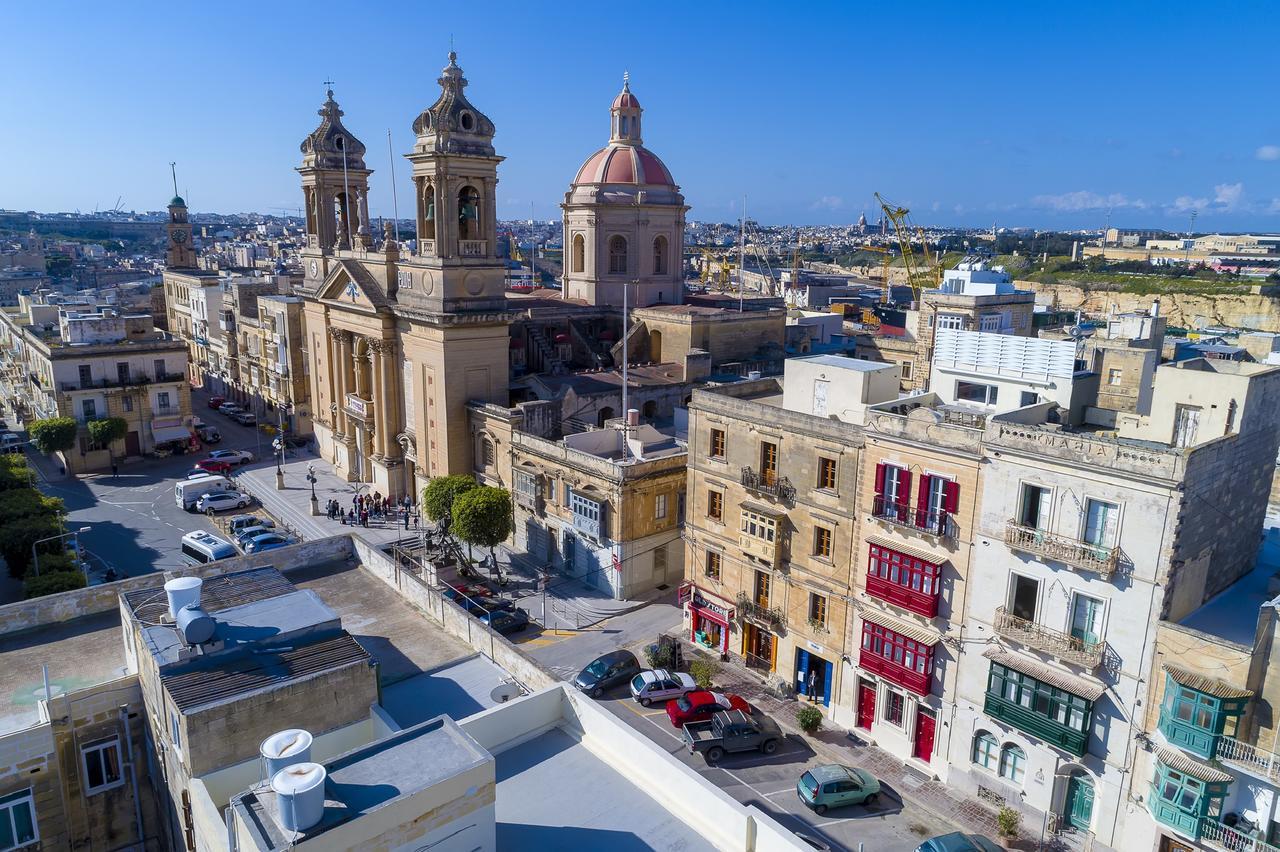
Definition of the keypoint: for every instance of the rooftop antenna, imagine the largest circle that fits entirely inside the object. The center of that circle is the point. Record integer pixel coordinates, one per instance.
(1191, 235)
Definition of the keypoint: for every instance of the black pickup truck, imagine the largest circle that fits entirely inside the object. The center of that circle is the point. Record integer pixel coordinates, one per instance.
(732, 731)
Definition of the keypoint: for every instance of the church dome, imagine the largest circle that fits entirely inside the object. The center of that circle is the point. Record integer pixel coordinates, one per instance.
(623, 163)
(177, 201)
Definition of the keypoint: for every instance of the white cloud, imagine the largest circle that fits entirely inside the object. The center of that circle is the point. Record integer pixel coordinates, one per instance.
(1071, 202)
(1185, 203)
(1274, 207)
(1268, 152)
(1228, 195)
(828, 202)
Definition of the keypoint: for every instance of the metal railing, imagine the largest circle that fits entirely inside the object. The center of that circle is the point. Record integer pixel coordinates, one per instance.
(1249, 758)
(1062, 548)
(768, 483)
(750, 609)
(1061, 645)
(929, 521)
(1218, 835)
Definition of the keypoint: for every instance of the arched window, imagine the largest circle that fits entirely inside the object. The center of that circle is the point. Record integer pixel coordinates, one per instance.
(617, 255)
(428, 212)
(486, 453)
(660, 256)
(1013, 763)
(579, 253)
(468, 213)
(605, 415)
(986, 750)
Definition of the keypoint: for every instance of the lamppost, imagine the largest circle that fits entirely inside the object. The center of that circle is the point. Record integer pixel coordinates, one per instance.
(311, 477)
(35, 555)
(278, 444)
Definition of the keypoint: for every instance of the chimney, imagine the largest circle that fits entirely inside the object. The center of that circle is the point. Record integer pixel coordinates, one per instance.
(1155, 307)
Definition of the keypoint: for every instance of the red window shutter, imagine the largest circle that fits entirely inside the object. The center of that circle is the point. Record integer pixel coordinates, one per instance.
(951, 497)
(904, 493)
(922, 497)
(880, 467)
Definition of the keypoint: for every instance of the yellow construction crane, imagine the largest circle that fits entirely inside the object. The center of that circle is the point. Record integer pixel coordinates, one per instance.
(726, 272)
(886, 256)
(515, 247)
(916, 276)
(705, 278)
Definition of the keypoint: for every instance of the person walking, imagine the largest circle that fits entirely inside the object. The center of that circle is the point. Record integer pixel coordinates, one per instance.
(813, 684)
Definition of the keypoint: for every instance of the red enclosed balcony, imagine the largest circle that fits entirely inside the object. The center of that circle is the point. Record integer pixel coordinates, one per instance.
(903, 658)
(904, 577)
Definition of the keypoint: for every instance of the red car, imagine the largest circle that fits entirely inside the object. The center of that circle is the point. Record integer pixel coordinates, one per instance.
(697, 706)
(215, 466)
(215, 401)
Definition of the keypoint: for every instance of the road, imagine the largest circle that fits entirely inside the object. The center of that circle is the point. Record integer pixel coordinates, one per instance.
(766, 782)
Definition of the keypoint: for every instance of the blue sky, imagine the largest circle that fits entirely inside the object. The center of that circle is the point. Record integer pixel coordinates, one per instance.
(1032, 114)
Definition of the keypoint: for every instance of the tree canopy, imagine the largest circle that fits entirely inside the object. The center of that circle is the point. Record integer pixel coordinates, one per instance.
(53, 434)
(106, 431)
(482, 516)
(439, 495)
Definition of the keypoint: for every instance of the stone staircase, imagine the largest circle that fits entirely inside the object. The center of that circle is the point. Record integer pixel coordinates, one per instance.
(599, 354)
(547, 355)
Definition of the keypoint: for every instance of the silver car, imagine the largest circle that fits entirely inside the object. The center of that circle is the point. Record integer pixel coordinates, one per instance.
(660, 685)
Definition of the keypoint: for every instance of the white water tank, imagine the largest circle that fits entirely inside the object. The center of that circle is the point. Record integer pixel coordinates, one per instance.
(753, 376)
(285, 749)
(182, 591)
(299, 793)
(195, 625)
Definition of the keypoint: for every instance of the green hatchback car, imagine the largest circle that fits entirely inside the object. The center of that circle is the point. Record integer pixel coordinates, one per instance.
(834, 786)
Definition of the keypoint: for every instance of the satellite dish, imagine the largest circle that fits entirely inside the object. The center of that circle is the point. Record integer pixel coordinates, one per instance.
(504, 692)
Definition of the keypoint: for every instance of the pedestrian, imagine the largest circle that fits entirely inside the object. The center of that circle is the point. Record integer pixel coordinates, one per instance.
(813, 684)
(364, 519)
(115, 471)
(351, 517)
(415, 523)
(406, 521)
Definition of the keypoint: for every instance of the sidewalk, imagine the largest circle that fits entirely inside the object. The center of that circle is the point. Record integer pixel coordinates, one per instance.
(837, 745)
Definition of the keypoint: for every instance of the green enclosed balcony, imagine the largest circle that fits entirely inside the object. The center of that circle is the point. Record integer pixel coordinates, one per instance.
(1198, 711)
(1039, 700)
(1184, 792)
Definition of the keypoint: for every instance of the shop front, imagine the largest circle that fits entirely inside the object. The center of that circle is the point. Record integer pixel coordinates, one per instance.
(710, 618)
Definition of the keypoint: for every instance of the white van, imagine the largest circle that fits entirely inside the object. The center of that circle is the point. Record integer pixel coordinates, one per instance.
(200, 548)
(188, 491)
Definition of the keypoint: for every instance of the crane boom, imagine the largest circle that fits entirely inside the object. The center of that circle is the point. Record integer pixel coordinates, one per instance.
(916, 276)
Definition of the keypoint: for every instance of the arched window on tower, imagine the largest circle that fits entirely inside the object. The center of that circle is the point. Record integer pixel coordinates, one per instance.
(617, 255)
(660, 255)
(429, 212)
(468, 213)
(579, 253)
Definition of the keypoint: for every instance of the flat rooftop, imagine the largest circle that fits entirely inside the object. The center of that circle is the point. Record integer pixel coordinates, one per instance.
(555, 793)
(1232, 614)
(80, 653)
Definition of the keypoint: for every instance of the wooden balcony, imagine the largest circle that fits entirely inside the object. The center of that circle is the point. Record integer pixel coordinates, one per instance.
(1064, 646)
(898, 595)
(1071, 552)
(765, 551)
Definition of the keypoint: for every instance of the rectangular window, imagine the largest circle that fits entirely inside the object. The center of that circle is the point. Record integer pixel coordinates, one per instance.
(758, 525)
(1114, 376)
(1086, 619)
(818, 609)
(893, 708)
(89, 409)
(526, 484)
(122, 372)
(587, 514)
(768, 463)
(822, 542)
(905, 373)
(955, 321)
(713, 565)
(162, 399)
(715, 505)
(1028, 398)
(127, 402)
(904, 580)
(1033, 507)
(976, 393)
(762, 589)
(1023, 595)
(659, 506)
(716, 449)
(906, 662)
(158, 366)
(18, 820)
(827, 473)
(1050, 702)
(991, 322)
(175, 730)
(1186, 424)
(1100, 521)
(86, 376)
(101, 766)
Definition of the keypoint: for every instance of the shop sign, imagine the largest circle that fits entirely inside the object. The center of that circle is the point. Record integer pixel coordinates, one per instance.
(702, 602)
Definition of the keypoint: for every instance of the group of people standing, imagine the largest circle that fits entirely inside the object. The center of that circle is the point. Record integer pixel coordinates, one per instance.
(366, 507)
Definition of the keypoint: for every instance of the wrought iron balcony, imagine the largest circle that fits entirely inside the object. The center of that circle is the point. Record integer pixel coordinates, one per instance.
(1248, 758)
(1062, 548)
(928, 521)
(772, 618)
(768, 483)
(1064, 646)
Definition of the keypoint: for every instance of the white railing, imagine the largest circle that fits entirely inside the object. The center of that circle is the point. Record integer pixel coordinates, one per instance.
(1215, 835)
(1247, 757)
(471, 248)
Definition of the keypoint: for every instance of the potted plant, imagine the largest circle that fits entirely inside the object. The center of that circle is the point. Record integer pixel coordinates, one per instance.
(809, 718)
(1007, 820)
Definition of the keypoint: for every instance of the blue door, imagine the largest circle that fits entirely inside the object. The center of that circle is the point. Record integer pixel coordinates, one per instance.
(802, 671)
(826, 675)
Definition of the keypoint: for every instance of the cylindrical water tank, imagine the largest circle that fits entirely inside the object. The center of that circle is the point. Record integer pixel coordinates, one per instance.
(633, 417)
(299, 793)
(182, 591)
(195, 625)
(285, 749)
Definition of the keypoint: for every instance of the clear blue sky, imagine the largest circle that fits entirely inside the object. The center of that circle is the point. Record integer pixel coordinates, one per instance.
(1031, 114)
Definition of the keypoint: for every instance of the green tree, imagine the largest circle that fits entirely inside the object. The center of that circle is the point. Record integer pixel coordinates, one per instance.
(438, 496)
(26, 503)
(18, 535)
(15, 473)
(52, 583)
(482, 516)
(53, 434)
(108, 430)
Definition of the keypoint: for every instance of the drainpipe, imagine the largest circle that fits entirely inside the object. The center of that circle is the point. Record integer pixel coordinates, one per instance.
(133, 773)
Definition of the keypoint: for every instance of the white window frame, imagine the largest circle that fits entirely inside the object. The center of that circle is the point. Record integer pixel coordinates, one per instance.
(1115, 376)
(1084, 520)
(1017, 765)
(952, 321)
(1008, 594)
(990, 761)
(110, 744)
(759, 526)
(989, 397)
(659, 507)
(8, 804)
(175, 732)
(1046, 515)
(901, 724)
(938, 493)
(893, 483)
(527, 484)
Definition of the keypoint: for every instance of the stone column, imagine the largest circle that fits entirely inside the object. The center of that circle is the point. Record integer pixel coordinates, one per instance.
(391, 397)
(379, 399)
(335, 382)
(346, 380)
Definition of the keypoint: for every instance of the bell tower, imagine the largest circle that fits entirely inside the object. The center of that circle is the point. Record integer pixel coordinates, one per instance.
(179, 253)
(335, 189)
(455, 177)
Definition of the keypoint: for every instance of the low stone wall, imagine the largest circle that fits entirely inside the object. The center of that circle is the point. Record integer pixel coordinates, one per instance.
(38, 612)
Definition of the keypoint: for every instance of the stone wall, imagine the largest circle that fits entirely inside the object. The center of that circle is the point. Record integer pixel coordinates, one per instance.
(1186, 310)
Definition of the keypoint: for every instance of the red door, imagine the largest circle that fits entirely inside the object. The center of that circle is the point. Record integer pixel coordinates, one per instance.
(866, 704)
(924, 734)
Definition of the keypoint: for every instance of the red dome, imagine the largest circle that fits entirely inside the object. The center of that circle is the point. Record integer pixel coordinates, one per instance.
(624, 164)
(626, 100)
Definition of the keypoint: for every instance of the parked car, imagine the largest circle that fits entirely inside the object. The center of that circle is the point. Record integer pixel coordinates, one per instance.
(233, 456)
(462, 591)
(267, 541)
(208, 434)
(697, 706)
(483, 604)
(220, 501)
(248, 534)
(506, 621)
(834, 786)
(239, 523)
(215, 466)
(197, 473)
(659, 685)
(229, 408)
(244, 418)
(607, 672)
(958, 842)
(732, 731)
(215, 402)
(10, 443)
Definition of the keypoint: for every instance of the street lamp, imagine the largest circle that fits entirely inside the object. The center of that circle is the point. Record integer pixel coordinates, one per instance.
(278, 444)
(311, 477)
(35, 556)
